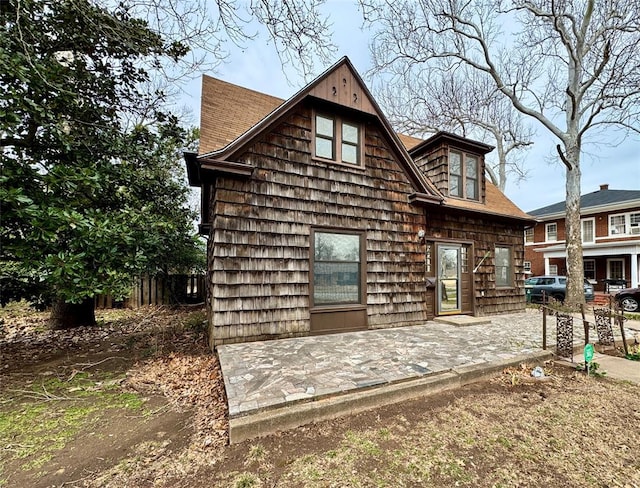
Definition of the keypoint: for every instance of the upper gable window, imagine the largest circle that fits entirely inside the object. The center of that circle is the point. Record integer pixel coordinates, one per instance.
(463, 176)
(337, 140)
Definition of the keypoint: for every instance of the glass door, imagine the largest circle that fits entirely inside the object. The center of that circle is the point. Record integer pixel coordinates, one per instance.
(448, 287)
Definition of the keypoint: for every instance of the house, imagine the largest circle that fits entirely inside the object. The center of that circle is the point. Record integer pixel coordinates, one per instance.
(321, 219)
(610, 221)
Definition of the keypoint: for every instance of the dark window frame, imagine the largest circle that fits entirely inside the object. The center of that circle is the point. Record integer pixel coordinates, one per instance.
(463, 177)
(337, 141)
(362, 269)
(510, 267)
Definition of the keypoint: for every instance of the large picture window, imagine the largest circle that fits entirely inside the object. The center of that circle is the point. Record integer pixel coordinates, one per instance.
(504, 267)
(337, 140)
(337, 268)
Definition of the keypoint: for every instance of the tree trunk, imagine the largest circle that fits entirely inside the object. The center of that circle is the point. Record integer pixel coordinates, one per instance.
(575, 265)
(69, 315)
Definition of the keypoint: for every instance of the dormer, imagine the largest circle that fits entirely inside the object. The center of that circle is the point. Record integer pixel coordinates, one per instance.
(454, 164)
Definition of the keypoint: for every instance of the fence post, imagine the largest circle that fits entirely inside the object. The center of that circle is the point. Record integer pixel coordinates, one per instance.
(585, 324)
(544, 328)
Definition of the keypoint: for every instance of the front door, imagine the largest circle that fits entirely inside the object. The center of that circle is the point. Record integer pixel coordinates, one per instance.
(448, 286)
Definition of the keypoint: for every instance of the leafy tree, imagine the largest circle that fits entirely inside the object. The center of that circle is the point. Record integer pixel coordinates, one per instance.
(89, 191)
(571, 66)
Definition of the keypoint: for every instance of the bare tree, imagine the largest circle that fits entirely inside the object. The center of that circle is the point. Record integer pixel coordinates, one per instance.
(460, 101)
(574, 66)
(298, 30)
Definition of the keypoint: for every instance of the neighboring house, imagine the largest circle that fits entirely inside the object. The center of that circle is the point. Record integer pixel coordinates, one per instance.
(321, 219)
(610, 222)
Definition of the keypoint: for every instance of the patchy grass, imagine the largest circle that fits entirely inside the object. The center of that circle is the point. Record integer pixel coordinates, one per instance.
(569, 431)
(37, 422)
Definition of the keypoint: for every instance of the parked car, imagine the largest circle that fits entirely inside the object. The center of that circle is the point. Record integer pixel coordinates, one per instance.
(541, 288)
(629, 299)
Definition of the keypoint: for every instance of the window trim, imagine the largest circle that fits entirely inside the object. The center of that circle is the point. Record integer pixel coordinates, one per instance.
(589, 260)
(627, 224)
(337, 141)
(553, 270)
(531, 230)
(463, 175)
(526, 266)
(593, 223)
(510, 267)
(362, 302)
(546, 232)
(616, 260)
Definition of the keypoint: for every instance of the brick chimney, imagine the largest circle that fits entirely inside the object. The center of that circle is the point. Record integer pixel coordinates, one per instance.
(604, 186)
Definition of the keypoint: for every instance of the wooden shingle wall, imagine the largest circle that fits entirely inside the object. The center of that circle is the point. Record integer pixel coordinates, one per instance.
(485, 234)
(259, 241)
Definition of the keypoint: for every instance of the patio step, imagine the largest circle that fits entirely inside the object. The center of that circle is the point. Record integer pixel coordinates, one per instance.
(601, 299)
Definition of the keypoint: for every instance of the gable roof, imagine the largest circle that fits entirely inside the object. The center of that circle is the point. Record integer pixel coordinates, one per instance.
(232, 116)
(597, 200)
(229, 110)
(340, 84)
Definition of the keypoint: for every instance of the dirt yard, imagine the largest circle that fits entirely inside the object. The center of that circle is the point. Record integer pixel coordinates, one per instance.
(139, 402)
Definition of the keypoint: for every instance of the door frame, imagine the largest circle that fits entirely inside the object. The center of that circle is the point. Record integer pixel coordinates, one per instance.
(443, 246)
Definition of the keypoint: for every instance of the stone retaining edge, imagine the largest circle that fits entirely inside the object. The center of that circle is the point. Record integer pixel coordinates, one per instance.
(298, 414)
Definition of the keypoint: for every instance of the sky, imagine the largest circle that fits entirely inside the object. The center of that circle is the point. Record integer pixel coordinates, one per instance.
(256, 66)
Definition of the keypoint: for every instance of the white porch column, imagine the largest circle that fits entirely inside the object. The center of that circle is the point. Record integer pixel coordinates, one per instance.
(546, 266)
(635, 280)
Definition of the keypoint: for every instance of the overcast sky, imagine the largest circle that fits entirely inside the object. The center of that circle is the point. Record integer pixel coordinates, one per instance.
(256, 66)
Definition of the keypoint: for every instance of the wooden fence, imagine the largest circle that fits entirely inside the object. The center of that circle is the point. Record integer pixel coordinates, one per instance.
(159, 290)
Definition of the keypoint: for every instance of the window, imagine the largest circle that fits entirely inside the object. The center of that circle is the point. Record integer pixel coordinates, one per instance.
(336, 268)
(337, 140)
(624, 224)
(463, 176)
(590, 269)
(617, 224)
(588, 230)
(553, 269)
(527, 267)
(551, 233)
(615, 269)
(528, 235)
(504, 267)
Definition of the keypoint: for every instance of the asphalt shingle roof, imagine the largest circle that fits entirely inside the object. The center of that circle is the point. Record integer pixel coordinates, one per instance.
(595, 199)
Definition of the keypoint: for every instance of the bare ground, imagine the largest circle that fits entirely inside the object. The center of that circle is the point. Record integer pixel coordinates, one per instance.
(139, 401)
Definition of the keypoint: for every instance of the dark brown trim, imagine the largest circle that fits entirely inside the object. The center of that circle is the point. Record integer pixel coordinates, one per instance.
(210, 168)
(512, 268)
(338, 121)
(425, 199)
(363, 270)
(463, 175)
(193, 168)
(457, 141)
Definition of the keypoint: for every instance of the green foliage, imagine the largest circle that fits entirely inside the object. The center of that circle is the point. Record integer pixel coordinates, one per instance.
(634, 353)
(594, 369)
(90, 187)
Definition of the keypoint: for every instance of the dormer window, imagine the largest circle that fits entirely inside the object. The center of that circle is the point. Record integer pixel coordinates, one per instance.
(463, 175)
(338, 140)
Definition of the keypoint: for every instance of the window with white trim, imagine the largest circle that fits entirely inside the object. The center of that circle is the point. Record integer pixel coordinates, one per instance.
(553, 269)
(588, 228)
(617, 224)
(337, 140)
(527, 267)
(528, 235)
(551, 232)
